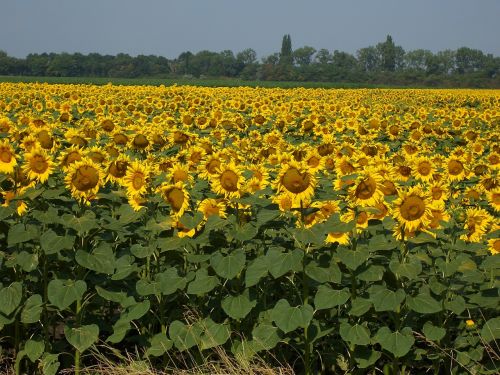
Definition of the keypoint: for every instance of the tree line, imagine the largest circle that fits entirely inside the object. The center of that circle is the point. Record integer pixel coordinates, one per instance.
(385, 62)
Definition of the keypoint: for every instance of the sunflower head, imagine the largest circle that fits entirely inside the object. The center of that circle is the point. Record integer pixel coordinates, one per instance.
(295, 179)
(7, 157)
(228, 180)
(177, 197)
(38, 165)
(412, 209)
(84, 179)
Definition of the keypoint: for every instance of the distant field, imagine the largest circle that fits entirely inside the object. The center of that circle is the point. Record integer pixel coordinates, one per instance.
(188, 81)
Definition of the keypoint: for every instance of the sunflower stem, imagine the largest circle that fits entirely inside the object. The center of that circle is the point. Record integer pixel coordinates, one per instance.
(305, 300)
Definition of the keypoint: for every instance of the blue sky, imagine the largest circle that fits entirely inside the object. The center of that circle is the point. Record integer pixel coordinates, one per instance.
(169, 27)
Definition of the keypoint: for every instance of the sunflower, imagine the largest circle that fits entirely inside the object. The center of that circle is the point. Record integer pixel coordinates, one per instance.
(438, 191)
(413, 209)
(38, 165)
(84, 179)
(117, 169)
(361, 218)
(209, 165)
(494, 246)
(8, 196)
(136, 179)
(423, 169)
(477, 223)
(259, 178)
(7, 157)
(137, 202)
(438, 215)
(295, 179)
(182, 231)
(69, 156)
(209, 207)
(342, 238)
(180, 173)
(228, 180)
(314, 160)
(366, 190)
(455, 168)
(494, 199)
(176, 196)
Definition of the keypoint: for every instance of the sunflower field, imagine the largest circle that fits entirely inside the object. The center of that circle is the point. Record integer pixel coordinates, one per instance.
(340, 231)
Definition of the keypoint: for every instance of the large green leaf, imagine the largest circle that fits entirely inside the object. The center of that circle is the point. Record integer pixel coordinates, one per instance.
(266, 336)
(324, 274)
(372, 272)
(327, 297)
(279, 262)
(52, 243)
(34, 349)
(82, 224)
(289, 318)
(353, 259)
(120, 297)
(82, 338)
(359, 306)
(140, 251)
(50, 364)
(213, 334)
(203, 283)
(237, 307)
(384, 299)
(398, 343)
(101, 260)
(27, 261)
(120, 329)
(432, 332)
(159, 344)
(355, 335)
(184, 336)
(228, 266)
(423, 304)
(410, 269)
(32, 309)
(62, 293)
(19, 233)
(170, 281)
(10, 297)
(491, 330)
(136, 311)
(456, 304)
(257, 269)
(366, 357)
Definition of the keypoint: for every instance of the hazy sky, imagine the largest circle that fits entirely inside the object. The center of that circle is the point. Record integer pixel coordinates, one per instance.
(169, 27)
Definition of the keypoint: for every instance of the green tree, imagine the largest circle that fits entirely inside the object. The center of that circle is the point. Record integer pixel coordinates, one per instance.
(303, 55)
(387, 51)
(323, 56)
(369, 59)
(286, 54)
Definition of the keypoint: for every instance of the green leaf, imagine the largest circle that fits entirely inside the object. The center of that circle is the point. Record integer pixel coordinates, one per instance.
(381, 242)
(184, 336)
(50, 364)
(52, 243)
(491, 330)
(360, 306)
(237, 307)
(124, 266)
(228, 266)
(355, 335)
(289, 318)
(136, 311)
(101, 260)
(410, 270)
(17, 234)
(279, 262)
(170, 281)
(159, 344)
(213, 334)
(32, 309)
(384, 299)
(245, 232)
(10, 297)
(62, 293)
(456, 305)
(28, 262)
(366, 357)
(324, 274)
(266, 336)
(81, 225)
(432, 332)
(327, 297)
(397, 343)
(82, 338)
(34, 349)
(255, 271)
(120, 329)
(423, 304)
(352, 259)
(371, 273)
(202, 283)
(141, 252)
(190, 220)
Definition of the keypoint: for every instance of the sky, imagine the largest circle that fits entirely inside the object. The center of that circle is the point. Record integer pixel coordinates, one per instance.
(170, 27)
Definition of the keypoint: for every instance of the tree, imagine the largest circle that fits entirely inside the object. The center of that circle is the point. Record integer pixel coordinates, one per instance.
(418, 59)
(468, 60)
(323, 56)
(286, 54)
(387, 51)
(303, 55)
(369, 59)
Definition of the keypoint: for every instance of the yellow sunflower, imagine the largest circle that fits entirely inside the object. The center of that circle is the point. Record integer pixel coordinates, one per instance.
(438, 215)
(180, 173)
(413, 209)
(494, 246)
(117, 169)
(296, 180)
(38, 165)
(423, 169)
(69, 156)
(494, 199)
(455, 166)
(209, 207)
(366, 191)
(84, 179)
(228, 180)
(136, 179)
(7, 157)
(342, 238)
(209, 165)
(438, 191)
(176, 196)
(477, 223)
